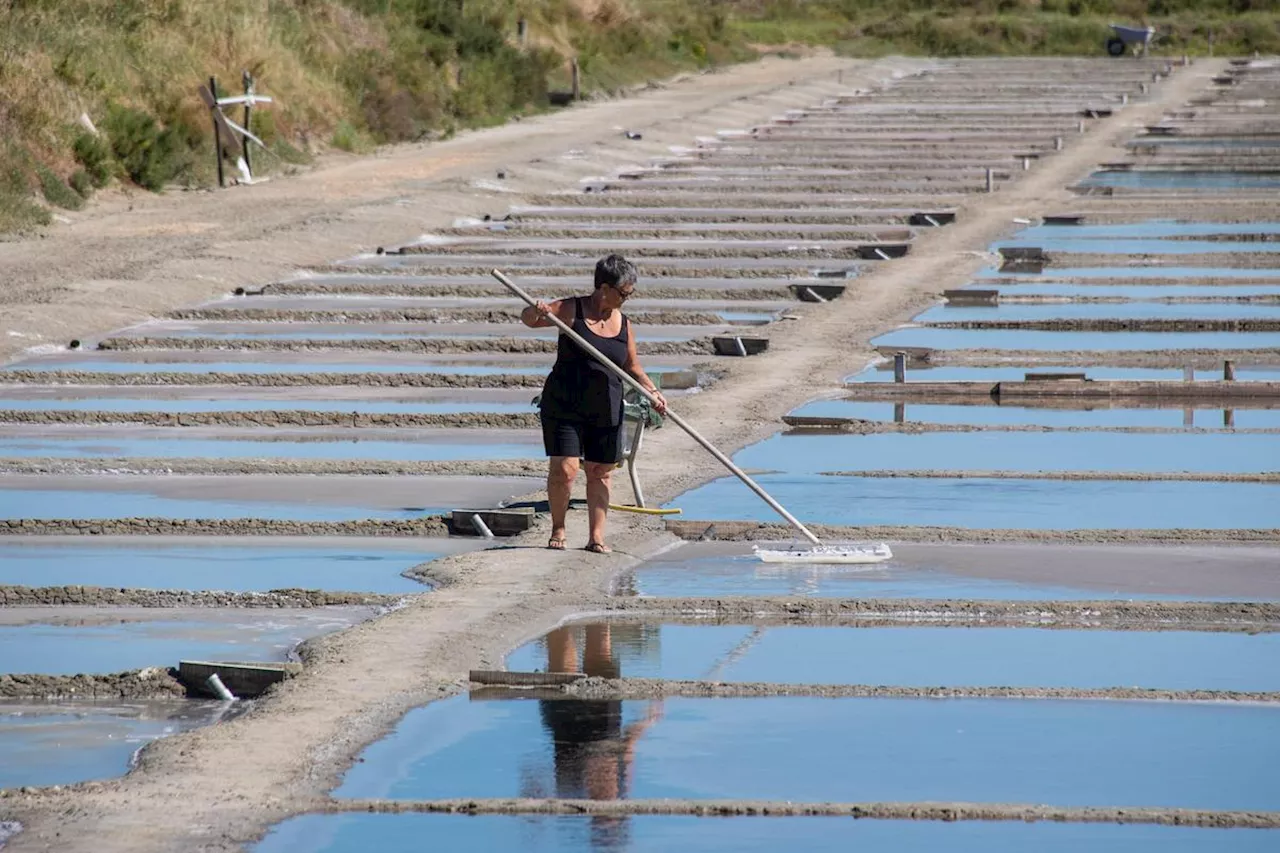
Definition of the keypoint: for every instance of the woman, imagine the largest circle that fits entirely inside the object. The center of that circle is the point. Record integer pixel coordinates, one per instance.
(582, 400)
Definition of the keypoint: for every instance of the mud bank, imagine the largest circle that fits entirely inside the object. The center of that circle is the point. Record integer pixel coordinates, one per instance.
(1190, 476)
(285, 417)
(433, 525)
(230, 467)
(1102, 614)
(149, 683)
(615, 689)
(436, 315)
(747, 531)
(274, 380)
(98, 596)
(520, 346)
(873, 811)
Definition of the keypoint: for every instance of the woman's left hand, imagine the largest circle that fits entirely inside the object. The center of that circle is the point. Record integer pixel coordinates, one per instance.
(659, 402)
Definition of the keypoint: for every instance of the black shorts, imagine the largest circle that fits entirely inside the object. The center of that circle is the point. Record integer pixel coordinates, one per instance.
(578, 440)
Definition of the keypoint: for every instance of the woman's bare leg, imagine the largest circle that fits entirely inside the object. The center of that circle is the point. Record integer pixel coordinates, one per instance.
(598, 477)
(561, 471)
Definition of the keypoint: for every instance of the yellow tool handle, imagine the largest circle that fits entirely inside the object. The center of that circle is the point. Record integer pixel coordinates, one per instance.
(643, 510)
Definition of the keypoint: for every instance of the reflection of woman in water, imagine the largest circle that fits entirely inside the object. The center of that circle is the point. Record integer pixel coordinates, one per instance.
(593, 750)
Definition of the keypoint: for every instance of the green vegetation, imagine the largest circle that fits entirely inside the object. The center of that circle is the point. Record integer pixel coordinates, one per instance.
(351, 74)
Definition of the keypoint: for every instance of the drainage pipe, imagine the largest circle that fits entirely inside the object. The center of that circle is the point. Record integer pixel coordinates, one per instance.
(672, 416)
(219, 689)
(478, 523)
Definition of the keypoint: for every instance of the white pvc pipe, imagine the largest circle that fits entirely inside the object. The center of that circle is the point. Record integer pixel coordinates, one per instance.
(219, 689)
(674, 418)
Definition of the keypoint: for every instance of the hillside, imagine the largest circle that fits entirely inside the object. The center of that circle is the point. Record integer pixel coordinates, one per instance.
(100, 91)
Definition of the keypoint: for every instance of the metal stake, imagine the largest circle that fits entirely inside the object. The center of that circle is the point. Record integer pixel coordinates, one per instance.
(217, 131)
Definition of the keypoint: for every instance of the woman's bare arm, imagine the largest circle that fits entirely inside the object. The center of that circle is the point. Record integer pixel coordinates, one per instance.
(633, 367)
(535, 316)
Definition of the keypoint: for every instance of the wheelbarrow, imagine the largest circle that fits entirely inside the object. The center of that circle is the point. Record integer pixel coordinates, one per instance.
(1139, 38)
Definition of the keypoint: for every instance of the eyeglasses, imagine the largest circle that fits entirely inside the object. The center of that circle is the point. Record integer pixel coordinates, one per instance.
(623, 295)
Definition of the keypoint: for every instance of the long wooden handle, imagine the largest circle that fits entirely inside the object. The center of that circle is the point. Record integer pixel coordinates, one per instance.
(674, 418)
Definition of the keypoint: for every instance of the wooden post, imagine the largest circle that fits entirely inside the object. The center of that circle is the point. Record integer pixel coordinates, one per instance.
(217, 131)
(899, 413)
(1188, 374)
(1229, 418)
(991, 180)
(522, 29)
(899, 367)
(247, 79)
(1228, 371)
(573, 69)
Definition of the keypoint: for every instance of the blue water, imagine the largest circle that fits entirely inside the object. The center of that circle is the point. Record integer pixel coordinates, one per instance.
(883, 372)
(1101, 311)
(921, 657)
(1155, 228)
(310, 366)
(1214, 141)
(1154, 179)
(241, 635)
(842, 750)
(90, 446)
(1145, 271)
(980, 503)
(68, 742)
(1066, 244)
(405, 833)
(118, 404)
(73, 503)
(1015, 451)
(1136, 292)
(989, 414)
(1017, 339)
(901, 577)
(356, 567)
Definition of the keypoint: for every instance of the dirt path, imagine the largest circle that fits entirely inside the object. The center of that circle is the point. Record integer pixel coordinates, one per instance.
(220, 787)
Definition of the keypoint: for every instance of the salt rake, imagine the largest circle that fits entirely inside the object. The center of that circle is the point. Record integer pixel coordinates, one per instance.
(818, 553)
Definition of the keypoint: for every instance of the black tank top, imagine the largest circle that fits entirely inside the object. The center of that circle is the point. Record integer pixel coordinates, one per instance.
(579, 388)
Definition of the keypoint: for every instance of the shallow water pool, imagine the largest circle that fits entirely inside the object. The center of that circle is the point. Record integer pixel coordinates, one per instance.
(404, 833)
(70, 503)
(367, 566)
(992, 503)
(1040, 341)
(1176, 179)
(66, 742)
(103, 645)
(996, 450)
(908, 656)
(883, 372)
(1007, 414)
(836, 750)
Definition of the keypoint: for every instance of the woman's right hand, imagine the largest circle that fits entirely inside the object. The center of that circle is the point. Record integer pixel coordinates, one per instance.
(541, 311)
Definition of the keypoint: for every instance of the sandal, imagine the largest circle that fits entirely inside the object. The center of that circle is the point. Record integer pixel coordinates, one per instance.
(556, 543)
(598, 548)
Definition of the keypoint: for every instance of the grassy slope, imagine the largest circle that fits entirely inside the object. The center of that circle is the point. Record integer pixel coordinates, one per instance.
(353, 73)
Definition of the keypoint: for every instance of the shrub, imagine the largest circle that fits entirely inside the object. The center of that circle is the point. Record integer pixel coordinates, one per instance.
(81, 183)
(56, 192)
(152, 156)
(93, 153)
(347, 138)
